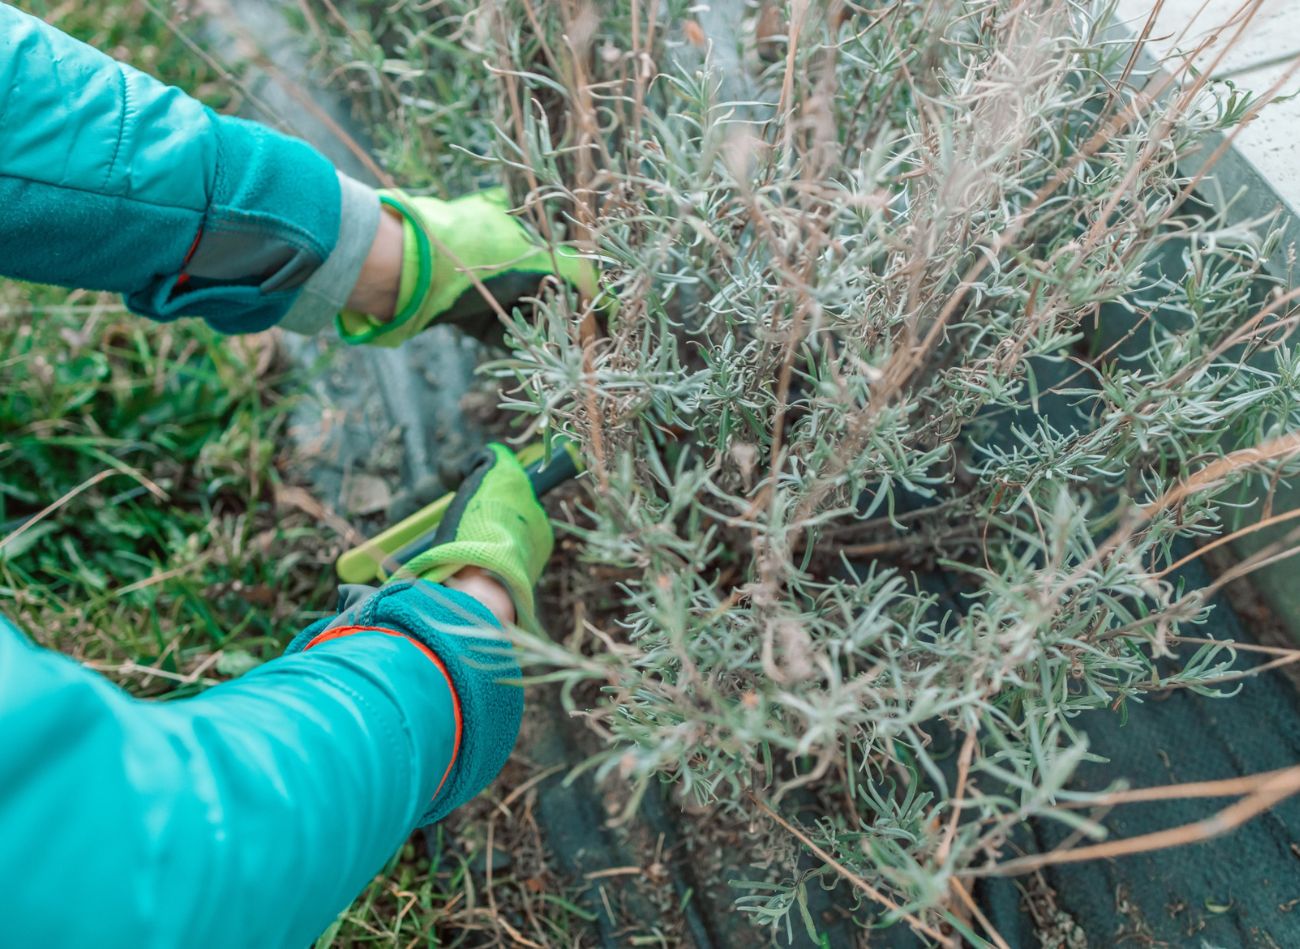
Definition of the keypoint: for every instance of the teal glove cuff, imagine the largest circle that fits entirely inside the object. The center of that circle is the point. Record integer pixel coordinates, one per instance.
(466, 637)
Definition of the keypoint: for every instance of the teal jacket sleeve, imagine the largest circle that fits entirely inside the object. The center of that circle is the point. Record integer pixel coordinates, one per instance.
(110, 180)
(252, 814)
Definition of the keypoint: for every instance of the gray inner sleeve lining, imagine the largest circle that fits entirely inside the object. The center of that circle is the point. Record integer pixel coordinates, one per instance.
(327, 290)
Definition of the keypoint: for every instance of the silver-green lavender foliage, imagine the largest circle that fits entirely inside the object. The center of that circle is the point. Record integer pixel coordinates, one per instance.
(887, 303)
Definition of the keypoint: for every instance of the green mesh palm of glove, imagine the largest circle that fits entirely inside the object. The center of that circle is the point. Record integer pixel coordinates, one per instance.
(484, 240)
(494, 522)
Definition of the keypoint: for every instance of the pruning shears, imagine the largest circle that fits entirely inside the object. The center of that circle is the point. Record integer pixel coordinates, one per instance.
(384, 554)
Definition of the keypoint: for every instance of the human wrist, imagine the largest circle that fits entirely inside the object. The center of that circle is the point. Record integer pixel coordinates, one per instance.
(487, 589)
(376, 289)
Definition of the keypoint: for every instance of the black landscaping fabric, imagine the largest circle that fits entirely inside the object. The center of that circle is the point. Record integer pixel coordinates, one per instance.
(1238, 890)
(1242, 889)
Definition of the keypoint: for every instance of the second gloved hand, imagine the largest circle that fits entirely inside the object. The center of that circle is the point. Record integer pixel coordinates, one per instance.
(487, 242)
(496, 523)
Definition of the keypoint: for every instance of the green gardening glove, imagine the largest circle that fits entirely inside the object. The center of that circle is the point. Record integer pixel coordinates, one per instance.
(496, 523)
(485, 241)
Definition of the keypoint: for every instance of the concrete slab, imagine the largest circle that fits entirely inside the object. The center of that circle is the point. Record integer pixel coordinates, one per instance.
(1255, 44)
(391, 417)
(1271, 143)
(1268, 31)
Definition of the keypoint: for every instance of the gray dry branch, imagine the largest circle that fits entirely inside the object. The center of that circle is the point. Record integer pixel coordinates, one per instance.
(922, 282)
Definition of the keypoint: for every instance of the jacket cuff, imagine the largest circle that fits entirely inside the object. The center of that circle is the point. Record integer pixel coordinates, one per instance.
(479, 662)
(271, 222)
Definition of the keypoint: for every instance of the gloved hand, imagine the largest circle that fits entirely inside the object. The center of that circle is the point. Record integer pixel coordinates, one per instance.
(486, 241)
(494, 522)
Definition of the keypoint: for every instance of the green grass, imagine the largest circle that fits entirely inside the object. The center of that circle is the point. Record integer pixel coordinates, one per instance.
(167, 549)
(167, 558)
(170, 565)
(859, 317)
(149, 34)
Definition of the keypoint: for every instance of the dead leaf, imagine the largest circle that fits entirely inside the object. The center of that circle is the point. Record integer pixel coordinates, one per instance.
(260, 595)
(260, 350)
(367, 494)
(292, 497)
